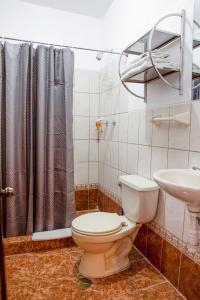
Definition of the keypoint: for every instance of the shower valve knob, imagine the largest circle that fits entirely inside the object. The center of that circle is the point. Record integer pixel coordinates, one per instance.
(7, 192)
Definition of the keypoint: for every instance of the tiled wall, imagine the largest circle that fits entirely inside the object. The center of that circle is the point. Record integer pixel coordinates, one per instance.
(176, 266)
(86, 110)
(132, 146)
(136, 146)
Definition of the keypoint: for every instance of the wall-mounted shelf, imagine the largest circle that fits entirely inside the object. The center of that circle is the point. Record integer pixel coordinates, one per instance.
(195, 75)
(149, 75)
(182, 118)
(161, 38)
(153, 40)
(196, 43)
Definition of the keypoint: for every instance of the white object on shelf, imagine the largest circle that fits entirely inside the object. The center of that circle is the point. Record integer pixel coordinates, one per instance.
(182, 118)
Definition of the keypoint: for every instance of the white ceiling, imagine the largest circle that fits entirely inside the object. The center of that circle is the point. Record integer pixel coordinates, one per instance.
(91, 8)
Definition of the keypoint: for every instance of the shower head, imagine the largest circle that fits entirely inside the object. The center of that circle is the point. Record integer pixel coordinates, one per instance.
(99, 56)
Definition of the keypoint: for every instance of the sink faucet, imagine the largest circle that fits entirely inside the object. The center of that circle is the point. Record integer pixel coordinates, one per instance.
(196, 168)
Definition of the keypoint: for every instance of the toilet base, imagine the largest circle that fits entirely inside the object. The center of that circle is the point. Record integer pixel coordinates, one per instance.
(102, 259)
(97, 266)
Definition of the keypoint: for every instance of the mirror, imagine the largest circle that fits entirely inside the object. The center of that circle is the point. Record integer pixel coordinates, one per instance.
(196, 52)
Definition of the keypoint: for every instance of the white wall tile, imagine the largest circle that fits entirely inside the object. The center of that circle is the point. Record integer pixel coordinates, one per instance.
(81, 150)
(174, 215)
(178, 159)
(94, 82)
(93, 172)
(186, 226)
(94, 105)
(195, 127)
(93, 130)
(101, 151)
(159, 159)
(145, 127)
(114, 157)
(123, 156)
(82, 101)
(144, 161)
(123, 128)
(161, 132)
(81, 127)
(115, 131)
(115, 95)
(94, 150)
(107, 151)
(133, 127)
(107, 176)
(132, 165)
(101, 175)
(101, 105)
(123, 100)
(109, 128)
(179, 135)
(82, 81)
(160, 213)
(81, 173)
(194, 159)
(113, 181)
(108, 102)
(120, 173)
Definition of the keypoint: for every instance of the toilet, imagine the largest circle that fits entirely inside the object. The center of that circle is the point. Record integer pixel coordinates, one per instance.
(107, 238)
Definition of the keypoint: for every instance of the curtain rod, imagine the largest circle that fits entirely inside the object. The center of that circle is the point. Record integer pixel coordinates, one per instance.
(63, 46)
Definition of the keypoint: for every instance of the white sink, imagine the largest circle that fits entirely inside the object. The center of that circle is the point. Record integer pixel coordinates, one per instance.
(183, 184)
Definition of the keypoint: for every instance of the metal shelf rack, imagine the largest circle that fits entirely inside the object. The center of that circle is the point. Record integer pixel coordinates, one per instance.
(152, 40)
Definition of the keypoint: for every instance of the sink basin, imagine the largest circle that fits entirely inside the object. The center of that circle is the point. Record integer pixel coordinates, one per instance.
(183, 184)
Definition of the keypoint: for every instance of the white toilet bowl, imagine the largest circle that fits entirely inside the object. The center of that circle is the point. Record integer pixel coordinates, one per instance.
(106, 239)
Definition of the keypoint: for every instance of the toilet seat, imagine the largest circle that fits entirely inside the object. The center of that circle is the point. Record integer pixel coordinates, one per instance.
(98, 224)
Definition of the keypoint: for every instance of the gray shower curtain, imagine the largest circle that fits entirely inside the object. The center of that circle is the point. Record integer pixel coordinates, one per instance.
(36, 101)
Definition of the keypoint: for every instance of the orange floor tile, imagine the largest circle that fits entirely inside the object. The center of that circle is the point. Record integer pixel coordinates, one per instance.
(53, 275)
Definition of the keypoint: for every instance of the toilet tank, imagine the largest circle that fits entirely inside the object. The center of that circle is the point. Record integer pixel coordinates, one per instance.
(139, 198)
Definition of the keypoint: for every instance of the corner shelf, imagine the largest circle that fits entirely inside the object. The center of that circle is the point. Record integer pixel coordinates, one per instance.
(147, 44)
(161, 38)
(149, 75)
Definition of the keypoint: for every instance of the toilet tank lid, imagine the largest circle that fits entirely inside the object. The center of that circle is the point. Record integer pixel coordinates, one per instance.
(138, 183)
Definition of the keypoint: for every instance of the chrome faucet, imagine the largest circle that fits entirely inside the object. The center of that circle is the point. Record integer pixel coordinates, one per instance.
(196, 168)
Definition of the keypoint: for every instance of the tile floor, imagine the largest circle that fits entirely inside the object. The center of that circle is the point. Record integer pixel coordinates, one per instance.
(52, 275)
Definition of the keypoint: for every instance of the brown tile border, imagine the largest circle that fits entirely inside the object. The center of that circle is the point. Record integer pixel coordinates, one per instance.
(86, 196)
(154, 248)
(189, 280)
(141, 240)
(173, 240)
(177, 267)
(25, 244)
(170, 263)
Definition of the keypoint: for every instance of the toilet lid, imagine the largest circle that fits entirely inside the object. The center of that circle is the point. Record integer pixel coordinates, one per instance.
(97, 223)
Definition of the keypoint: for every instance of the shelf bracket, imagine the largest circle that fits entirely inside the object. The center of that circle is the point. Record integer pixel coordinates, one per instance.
(182, 16)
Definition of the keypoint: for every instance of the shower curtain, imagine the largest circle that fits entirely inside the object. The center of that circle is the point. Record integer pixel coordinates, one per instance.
(36, 100)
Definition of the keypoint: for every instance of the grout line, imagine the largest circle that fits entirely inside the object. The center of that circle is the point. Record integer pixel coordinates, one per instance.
(89, 147)
(150, 287)
(146, 240)
(166, 280)
(179, 270)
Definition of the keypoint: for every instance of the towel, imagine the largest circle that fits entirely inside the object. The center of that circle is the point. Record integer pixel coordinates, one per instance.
(195, 68)
(141, 61)
(147, 65)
